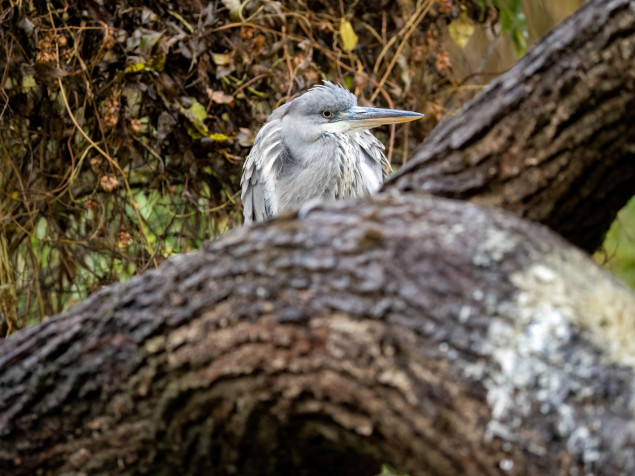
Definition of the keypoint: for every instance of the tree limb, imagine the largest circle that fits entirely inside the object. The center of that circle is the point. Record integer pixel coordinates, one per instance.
(441, 337)
(552, 139)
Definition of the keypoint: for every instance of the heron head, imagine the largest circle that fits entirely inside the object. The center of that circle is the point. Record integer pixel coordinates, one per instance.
(328, 108)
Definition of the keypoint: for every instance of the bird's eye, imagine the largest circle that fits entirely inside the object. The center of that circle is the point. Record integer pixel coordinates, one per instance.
(327, 114)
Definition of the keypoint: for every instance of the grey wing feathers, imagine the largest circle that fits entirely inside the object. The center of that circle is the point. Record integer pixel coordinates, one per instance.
(373, 162)
(374, 152)
(261, 171)
(253, 196)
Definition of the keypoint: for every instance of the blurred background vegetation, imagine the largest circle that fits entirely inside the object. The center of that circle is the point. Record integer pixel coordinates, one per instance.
(124, 125)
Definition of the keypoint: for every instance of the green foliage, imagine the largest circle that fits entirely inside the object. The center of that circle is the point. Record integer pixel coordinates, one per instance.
(512, 20)
(69, 273)
(387, 470)
(618, 251)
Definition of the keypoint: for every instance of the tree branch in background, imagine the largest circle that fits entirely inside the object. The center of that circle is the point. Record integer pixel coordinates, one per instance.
(552, 139)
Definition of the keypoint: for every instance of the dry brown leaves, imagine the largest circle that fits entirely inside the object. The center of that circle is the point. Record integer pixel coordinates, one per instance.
(133, 76)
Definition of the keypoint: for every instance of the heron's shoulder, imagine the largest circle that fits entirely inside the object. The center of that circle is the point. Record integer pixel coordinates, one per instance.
(260, 173)
(372, 153)
(371, 145)
(278, 113)
(268, 156)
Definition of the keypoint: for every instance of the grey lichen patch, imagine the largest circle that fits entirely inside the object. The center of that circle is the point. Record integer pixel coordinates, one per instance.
(534, 340)
(496, 245)
(523, 351)
(594, 301)
(609, 312)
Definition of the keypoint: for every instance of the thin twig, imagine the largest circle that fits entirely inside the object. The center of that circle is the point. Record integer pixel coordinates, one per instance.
(287, 59)
(250, 82)
(135, 206)
(425, 7)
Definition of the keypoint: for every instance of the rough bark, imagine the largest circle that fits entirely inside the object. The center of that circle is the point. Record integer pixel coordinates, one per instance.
(436, 335)
(432, 334)
(552, 139)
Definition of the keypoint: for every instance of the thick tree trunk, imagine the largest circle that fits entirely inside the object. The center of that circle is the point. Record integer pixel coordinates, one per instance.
(436, 335)
(552, 139)
(432, 334)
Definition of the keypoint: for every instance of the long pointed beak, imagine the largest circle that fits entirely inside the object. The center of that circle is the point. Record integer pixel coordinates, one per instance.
(367, 117)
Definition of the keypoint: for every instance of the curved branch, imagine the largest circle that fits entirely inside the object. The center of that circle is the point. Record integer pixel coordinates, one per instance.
(552, 139)
(432, 334)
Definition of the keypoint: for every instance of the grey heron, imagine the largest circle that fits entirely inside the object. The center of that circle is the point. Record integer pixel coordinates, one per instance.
(316, 146)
